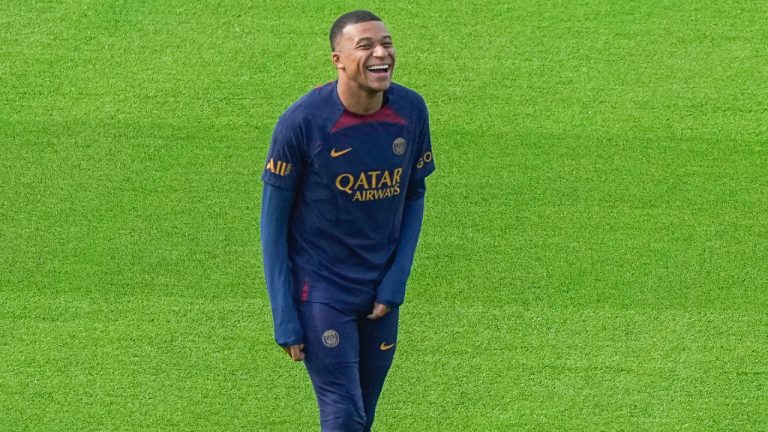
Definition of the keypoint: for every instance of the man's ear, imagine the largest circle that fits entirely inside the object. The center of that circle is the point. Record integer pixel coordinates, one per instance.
(336, 58)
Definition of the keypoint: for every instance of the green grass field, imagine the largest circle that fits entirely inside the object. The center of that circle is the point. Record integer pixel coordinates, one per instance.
(595, 248)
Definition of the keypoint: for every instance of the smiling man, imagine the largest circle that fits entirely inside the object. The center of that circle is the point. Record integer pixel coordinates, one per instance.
(342, 208)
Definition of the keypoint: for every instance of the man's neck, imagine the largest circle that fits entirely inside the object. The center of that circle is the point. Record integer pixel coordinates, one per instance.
(359, 101)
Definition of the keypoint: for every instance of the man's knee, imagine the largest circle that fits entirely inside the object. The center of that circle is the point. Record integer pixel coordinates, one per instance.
(345, 419)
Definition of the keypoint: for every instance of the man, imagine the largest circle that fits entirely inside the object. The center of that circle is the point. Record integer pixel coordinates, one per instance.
(341, 214)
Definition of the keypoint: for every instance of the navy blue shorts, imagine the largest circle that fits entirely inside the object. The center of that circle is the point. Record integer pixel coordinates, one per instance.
(347, 356)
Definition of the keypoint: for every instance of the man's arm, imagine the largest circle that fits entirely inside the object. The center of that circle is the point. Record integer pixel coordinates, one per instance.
(391, 291)
(276, 207)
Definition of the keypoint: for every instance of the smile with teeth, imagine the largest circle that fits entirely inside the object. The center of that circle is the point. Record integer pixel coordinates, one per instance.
(378, 68)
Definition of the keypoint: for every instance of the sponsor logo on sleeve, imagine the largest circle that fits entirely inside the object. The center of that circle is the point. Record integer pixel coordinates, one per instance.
(424, 159)
(278, 167)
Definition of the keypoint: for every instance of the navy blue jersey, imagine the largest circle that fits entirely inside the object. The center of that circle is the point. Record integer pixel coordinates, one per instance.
(351, 174)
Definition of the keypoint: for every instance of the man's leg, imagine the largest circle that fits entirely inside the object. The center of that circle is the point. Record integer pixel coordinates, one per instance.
(331, 347)
(377, 349)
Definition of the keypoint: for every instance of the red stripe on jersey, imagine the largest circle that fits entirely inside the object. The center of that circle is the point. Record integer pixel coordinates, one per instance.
(305, 291)
(384, 115)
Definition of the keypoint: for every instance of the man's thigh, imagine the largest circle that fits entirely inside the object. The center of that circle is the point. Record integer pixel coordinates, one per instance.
(378, 339)
(332, 354)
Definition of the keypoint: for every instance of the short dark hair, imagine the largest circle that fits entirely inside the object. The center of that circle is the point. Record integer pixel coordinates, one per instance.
(354, 17)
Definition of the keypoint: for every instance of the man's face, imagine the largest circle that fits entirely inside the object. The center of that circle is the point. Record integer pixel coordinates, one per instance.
(365, 55)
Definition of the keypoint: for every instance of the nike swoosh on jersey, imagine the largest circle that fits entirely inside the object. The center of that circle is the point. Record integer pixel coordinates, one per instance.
(335, 154)
(385, 347)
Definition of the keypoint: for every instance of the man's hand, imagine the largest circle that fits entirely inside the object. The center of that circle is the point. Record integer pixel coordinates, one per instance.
(379, 310)
(295, 352)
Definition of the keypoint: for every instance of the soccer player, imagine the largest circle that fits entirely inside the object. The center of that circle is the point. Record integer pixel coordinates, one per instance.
(342, 209)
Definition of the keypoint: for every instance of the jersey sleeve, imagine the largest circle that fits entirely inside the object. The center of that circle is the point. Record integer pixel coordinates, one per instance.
(275, 212)
(391, 290)
(286, 157)
(424, 164)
